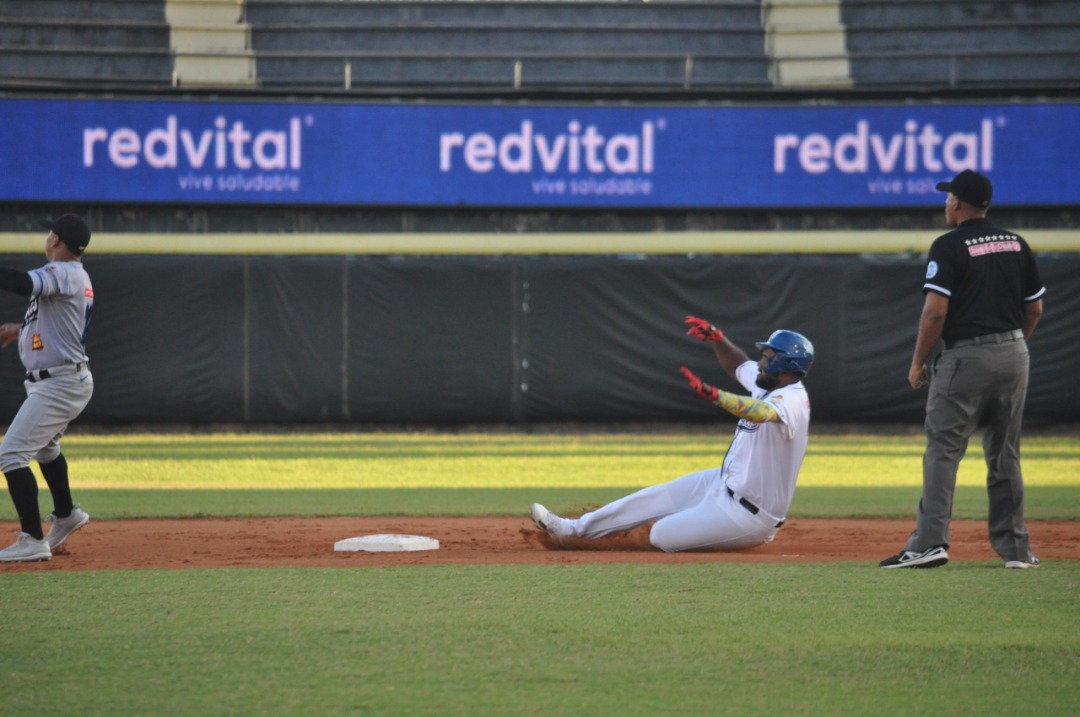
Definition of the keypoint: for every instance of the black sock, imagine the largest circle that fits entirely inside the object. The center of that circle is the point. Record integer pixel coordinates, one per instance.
(24, 493)
(55, 474)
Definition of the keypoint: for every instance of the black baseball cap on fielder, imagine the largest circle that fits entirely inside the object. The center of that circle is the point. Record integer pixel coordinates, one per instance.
(970, 187)
(72, 230)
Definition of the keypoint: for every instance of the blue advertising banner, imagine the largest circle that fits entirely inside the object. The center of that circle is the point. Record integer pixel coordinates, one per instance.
(532, 156)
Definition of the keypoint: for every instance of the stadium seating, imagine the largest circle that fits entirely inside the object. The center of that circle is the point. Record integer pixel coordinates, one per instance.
(565, 45)
(431, 46)
(69, 43)
(957, 44)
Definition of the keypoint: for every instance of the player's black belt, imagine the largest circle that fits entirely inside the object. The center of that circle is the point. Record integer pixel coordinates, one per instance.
(754, 510)
(1003, 338)
(44, 373)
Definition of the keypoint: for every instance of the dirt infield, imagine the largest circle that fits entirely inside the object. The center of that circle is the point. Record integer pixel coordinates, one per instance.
(309, 542)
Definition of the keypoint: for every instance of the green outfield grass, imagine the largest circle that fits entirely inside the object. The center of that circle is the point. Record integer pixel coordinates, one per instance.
(150, 475)
(701, 639)
(666, 639)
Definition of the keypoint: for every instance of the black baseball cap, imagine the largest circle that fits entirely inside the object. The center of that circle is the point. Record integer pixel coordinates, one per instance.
(970, 187)
(72, 230)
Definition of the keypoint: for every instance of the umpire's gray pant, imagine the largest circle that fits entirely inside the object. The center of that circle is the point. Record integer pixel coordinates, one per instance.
(973, 386)
(50, 405)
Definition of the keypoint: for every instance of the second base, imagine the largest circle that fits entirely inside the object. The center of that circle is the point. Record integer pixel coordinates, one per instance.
(386, 544)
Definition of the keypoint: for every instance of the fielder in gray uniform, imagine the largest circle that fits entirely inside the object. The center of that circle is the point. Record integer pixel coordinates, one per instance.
(52, 346)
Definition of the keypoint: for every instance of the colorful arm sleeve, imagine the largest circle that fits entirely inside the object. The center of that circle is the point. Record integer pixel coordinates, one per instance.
(752, 409)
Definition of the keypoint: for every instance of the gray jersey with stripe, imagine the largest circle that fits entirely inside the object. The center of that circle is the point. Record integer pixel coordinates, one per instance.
(54, 329)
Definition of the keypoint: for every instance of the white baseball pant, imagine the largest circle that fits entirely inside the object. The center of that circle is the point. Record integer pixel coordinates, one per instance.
(692, 512)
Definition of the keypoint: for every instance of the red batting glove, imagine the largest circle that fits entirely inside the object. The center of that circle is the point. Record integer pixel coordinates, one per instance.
(704, 331)
(709, 393)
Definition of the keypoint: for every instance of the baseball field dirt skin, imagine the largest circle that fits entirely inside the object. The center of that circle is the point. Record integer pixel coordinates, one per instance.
(309, 542)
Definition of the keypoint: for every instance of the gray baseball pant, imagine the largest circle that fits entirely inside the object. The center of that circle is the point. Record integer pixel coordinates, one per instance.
(976, 386)
(51, 404)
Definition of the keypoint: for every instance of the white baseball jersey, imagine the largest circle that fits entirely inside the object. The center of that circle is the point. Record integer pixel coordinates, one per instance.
(764, 459)
(54, 329)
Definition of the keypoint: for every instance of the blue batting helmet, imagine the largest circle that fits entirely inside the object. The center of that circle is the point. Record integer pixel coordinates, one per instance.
(794, 352)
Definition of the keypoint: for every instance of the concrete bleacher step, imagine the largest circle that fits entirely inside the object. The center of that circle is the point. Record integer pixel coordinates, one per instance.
(187, 39)
(211, 43)
(204, 13)
(806, 43)
(209, 70)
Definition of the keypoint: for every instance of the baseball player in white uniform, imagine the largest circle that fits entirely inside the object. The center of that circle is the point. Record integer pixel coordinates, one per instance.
(745, 501)
(52, 346)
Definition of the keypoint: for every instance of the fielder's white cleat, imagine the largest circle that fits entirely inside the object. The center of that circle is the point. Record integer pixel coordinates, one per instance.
(26, 549)
(62, 528)
(546, 520)
(1033, 563)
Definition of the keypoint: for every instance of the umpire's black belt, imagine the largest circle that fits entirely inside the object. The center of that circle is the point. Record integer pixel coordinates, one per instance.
(754, 510)
(1003, 338)
(43, 373)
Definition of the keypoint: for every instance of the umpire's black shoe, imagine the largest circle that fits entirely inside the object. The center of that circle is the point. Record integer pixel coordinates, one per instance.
(931, 558)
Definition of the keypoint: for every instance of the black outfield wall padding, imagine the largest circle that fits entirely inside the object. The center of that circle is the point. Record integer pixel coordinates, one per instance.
(452, 340)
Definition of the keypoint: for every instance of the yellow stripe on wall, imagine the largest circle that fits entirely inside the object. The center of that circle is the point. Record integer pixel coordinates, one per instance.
(765, 242)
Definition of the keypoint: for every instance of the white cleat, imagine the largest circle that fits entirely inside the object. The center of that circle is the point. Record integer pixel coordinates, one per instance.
(1021, 564)
(62, 528)
(546, 520)
(26, 549)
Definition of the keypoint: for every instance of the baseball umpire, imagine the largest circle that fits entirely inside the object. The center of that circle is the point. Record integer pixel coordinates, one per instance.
(52, 347)
(744, 501)
(984, 298)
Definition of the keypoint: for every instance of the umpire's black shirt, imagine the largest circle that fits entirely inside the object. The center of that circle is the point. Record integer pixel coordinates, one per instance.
(987, 273)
